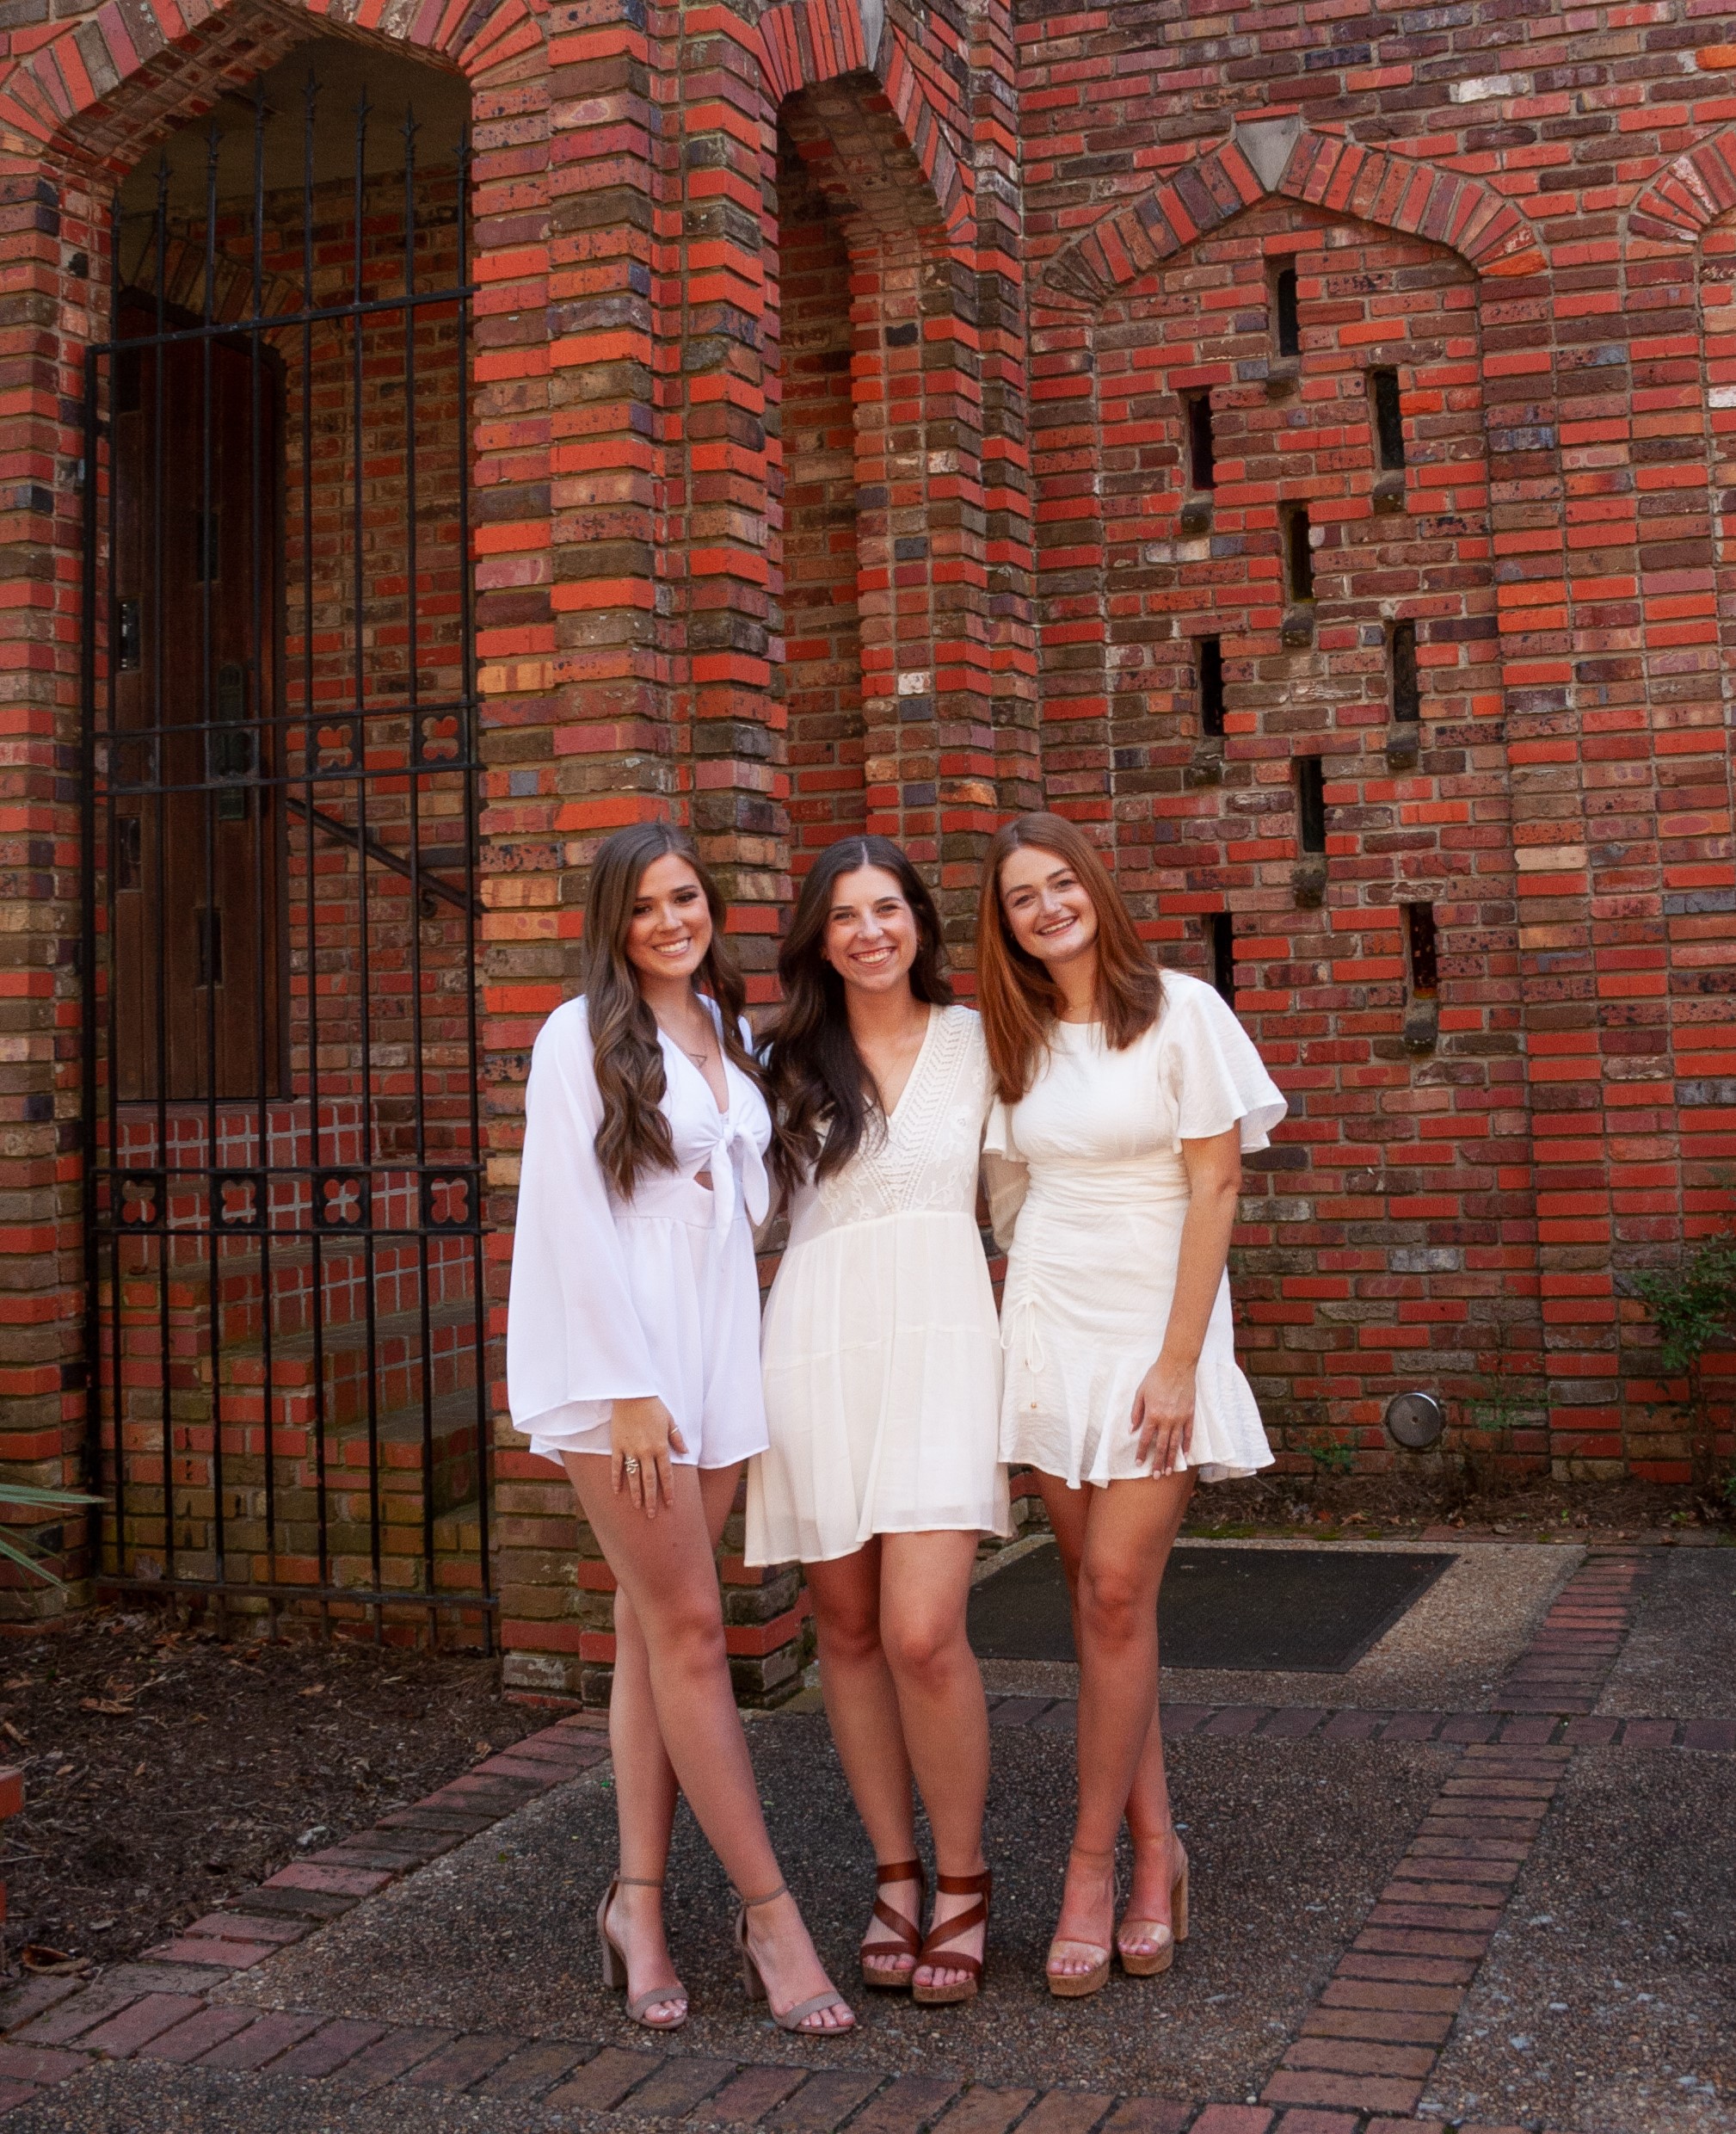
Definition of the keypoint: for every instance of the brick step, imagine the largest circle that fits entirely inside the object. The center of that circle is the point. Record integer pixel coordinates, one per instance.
(346, 1274)
(417, 1467)
(404, 1356)
(395, 1370)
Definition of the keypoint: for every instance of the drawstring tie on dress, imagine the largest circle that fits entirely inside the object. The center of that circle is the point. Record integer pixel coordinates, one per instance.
(1019, 1322)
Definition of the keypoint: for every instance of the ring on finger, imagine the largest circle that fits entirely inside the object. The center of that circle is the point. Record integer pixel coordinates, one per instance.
(629, 1465)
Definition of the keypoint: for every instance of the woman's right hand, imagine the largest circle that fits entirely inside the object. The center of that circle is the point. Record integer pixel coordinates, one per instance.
(644, 1432)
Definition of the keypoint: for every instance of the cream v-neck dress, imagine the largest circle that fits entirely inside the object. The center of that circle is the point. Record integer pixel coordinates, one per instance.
(1092, 1266)
(881, 1351)
(614, 1299)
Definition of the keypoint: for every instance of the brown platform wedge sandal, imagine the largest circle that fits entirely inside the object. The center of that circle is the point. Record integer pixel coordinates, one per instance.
(1076, 1985)
(907, 1933)
(615, 1964)
(934, 1947)
(1147, 1963)
(795, 2019)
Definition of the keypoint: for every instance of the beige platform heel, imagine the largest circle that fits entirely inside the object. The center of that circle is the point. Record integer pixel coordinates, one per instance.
(1147, 1963)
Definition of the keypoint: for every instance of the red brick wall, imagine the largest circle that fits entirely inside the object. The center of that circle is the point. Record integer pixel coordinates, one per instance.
(1570, 810)
(821, 673)
(1382, 1245)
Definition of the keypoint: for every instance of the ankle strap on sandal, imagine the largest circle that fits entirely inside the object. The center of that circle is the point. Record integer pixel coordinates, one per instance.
(750, 1904)
(965, 1885)
(900, 1871)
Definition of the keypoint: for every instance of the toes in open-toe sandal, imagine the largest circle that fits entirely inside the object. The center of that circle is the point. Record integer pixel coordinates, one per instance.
(935, 1949)
(1075, 1985)
(906, 1935)
(794, 2019)
(615, 1964)
(1147, 1963)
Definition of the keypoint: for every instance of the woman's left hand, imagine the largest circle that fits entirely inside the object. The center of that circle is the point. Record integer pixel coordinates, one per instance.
(1163, 1416)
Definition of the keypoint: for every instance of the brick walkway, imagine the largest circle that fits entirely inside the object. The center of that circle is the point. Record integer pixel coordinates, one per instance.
(1361, 2059)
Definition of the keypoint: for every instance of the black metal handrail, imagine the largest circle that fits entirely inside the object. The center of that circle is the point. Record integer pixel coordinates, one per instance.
(363, 841)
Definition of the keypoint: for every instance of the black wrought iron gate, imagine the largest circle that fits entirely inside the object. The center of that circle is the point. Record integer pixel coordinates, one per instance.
(283, 1132)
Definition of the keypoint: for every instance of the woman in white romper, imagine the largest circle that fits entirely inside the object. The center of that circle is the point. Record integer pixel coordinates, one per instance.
(883, 1385)
(632, 1338)
(1130, 1098)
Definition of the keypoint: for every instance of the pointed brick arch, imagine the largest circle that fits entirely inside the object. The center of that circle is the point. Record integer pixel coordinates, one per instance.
(1689, 194)
(104, 87)
(1394, 191)
(806, 42)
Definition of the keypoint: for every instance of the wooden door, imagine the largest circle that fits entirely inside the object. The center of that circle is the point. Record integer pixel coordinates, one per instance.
(196, 851)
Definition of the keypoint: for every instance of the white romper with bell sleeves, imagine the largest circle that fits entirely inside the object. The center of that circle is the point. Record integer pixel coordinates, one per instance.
(616, 1299)
(1091, 1268)
(881, 1351)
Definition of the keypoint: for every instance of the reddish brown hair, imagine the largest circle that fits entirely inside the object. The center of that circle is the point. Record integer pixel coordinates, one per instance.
(1014, 991)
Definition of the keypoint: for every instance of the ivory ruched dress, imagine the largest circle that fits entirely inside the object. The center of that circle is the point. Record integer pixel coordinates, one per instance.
(614, 1299)
(1092, 1264)
(881, 1353)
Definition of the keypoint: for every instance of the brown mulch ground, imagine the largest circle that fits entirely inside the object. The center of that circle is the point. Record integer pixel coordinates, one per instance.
(164, 1769)
(1524, 1506)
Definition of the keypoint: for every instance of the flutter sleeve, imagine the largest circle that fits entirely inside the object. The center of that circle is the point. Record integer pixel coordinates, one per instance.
(572, 1332)
(1005, 1173)
(1217, 1078)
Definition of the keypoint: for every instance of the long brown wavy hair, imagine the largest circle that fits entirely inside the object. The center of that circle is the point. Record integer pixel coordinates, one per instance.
(824, 1098)
(1018, 998)
(634, 1137)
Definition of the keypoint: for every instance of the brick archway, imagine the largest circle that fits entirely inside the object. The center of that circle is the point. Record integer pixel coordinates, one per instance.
(1393, 192)
(804, 43)
(1688, 195)
(112, 84)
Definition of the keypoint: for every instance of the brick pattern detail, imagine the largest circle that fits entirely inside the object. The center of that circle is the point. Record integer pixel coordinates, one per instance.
(1564, 1667)
(822, 645)
(1372, 2039)
(1688, 194)
(1395, 191)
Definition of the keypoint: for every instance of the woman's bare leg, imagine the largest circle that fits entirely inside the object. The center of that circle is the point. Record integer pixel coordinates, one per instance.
(666, 1568)
(862, 1706)
(645, 1789)
(1115, 1542)
(925, 1590)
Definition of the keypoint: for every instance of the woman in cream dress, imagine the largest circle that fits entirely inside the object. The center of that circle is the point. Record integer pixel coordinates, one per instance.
(1130, 1099)
(631, 1360)
(882, 1368)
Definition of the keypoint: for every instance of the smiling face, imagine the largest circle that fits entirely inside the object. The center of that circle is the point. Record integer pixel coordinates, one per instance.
(1048, 909)
(670, 929)
(872, 935)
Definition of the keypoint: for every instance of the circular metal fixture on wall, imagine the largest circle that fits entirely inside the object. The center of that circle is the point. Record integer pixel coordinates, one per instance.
(1415, 1421)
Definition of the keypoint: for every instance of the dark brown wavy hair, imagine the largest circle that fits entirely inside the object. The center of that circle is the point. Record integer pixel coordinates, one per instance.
(1018, 998)
(634, 1137)
(824, 1097)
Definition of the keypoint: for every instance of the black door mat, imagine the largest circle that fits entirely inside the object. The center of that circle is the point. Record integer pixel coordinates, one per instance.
(1307, 1610)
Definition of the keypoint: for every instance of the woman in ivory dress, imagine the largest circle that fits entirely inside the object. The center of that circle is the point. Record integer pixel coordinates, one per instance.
(883, 1384)
(1130, 1098)
(632, 1341)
